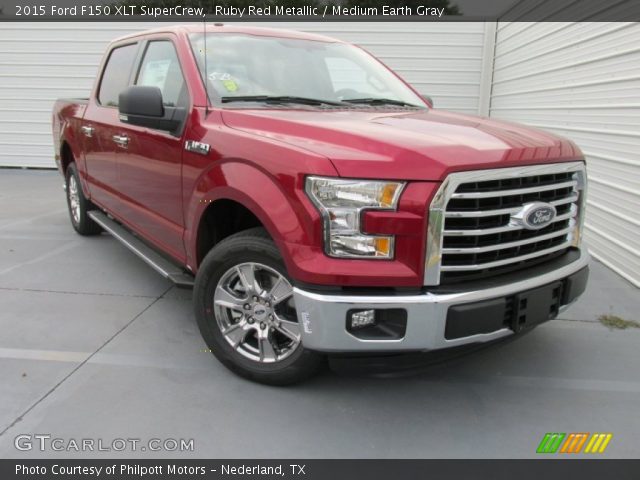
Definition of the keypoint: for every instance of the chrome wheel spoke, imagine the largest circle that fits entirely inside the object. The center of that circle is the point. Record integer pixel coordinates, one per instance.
(224, 298)
(236, 334)
(74, 200)
(267, 352)
(281, 290)
(289, 329)
(247, 275)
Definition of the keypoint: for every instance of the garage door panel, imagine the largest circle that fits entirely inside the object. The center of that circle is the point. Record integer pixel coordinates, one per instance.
(568, 94)
(434, 64)
(607, 251)
(44, 57)
(623, 64)
(445, 77)
(18, 103)
(447, 51)
(52, 68)
(618, 148)
(613, 118)
(625, 176)
(628, 233)
(613, 198)
(13, 82)
(9, 128)
(25, 137)
(37, 47)
(25, 116)
(69, 32)
(45, 148)
(582, 40)
(19, 93)
(37, 161)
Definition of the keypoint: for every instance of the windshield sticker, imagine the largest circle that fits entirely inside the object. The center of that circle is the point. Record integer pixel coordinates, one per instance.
(228, 82)
(213, 76)
(230, 85)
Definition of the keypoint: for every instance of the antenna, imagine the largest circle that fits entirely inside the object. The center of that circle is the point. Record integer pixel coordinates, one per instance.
(206, 72)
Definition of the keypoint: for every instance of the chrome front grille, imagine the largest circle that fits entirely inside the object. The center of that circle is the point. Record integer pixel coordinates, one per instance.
(472, 232)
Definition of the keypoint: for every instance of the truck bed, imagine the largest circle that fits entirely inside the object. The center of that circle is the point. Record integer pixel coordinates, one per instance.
(67, 114)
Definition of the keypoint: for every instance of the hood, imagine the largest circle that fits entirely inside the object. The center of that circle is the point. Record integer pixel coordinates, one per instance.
(404, 145)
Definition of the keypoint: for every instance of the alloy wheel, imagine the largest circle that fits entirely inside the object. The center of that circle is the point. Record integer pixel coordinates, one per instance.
(254, 309)
(74, 199)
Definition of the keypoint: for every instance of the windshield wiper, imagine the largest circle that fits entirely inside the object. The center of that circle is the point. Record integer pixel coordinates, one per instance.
(279, 99)
(379, 101)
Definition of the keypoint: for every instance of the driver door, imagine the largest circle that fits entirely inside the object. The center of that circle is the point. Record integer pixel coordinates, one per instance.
(150, 161)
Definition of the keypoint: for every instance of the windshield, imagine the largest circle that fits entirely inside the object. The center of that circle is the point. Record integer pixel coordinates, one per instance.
(240, 65)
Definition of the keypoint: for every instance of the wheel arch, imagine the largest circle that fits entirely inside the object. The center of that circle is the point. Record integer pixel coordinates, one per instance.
(66, 156)
(230, 189)
(221, 219)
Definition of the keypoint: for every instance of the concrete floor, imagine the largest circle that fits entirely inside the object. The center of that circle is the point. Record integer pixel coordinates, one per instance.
(94, 344)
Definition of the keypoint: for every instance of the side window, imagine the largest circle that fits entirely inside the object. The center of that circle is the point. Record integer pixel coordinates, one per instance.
(161, 68)
(116, 74)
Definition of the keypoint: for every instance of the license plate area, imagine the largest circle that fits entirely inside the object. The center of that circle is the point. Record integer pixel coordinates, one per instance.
(536, 306)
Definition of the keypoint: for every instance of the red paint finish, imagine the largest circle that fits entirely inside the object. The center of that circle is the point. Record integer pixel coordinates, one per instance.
(260, 158)
(426, 145)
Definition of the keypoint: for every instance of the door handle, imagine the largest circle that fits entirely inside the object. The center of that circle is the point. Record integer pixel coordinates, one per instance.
(88, 131)
(121, 140)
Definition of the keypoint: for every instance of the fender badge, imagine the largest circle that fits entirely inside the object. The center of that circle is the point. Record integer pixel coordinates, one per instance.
(197, 147)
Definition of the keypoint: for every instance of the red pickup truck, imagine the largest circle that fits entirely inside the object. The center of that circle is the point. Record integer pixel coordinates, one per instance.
(316, 202)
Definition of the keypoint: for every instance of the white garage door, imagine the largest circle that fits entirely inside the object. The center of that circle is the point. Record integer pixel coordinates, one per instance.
(582, 80)
(40, 62)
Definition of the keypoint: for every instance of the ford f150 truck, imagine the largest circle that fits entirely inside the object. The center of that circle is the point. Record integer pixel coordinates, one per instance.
(316, 202)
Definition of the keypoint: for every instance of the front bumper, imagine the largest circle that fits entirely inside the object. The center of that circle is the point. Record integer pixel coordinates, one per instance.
(323, 317)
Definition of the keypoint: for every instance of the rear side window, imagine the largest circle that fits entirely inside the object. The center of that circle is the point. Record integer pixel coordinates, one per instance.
(161, 68)
(116, 74)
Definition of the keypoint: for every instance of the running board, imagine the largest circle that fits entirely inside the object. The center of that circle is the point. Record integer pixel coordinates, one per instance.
(160, 264)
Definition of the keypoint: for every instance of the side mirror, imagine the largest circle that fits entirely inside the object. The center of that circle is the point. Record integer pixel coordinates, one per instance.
(142, 105)
(428, 99)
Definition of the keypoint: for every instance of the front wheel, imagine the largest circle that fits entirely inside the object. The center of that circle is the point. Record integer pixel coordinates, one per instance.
(246, 313)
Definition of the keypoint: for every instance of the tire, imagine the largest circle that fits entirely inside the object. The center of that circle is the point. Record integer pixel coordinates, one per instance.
(79, 205)
(242, 288)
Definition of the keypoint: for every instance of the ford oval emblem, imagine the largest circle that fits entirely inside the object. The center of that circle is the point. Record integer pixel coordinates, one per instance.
(534, 216)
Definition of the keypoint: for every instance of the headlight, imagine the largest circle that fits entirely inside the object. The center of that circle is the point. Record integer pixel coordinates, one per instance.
(340, 202)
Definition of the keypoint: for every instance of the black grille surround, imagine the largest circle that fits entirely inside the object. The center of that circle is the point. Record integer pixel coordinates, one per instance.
(474, 228)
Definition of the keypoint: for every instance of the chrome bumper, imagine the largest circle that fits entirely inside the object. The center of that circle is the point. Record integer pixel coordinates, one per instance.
(323, 317)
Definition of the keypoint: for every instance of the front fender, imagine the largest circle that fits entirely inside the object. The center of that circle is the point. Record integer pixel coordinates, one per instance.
(281, 206)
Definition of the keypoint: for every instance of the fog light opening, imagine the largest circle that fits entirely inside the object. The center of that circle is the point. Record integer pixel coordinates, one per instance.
(377, 324)
(362, 318)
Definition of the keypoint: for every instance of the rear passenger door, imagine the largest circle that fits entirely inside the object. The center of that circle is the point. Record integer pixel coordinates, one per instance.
(150, 163)
(99, 126)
